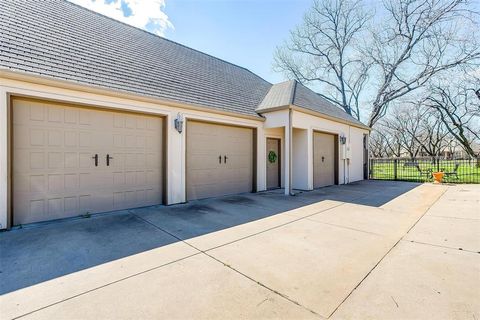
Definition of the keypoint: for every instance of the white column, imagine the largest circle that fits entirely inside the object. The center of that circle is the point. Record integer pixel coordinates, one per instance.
(176, 161)
(261, 160)
(288, 158)
(3, 158)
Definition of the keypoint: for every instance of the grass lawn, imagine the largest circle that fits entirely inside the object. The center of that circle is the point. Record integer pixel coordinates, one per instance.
(383, 169)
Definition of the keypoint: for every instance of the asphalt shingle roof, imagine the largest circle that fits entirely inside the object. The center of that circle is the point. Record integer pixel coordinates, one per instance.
(58, 39)
(308, 99)
(279, 95)
(294, 93)
(62, 40)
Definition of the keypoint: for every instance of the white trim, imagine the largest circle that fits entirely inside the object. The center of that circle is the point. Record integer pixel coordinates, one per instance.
(23, 77)
(4, 162)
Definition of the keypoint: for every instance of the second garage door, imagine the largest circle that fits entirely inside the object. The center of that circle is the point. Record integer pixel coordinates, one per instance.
(219, 160)
(60, 165)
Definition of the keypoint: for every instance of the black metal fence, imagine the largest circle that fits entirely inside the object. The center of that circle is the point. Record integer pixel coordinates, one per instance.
(421, 169)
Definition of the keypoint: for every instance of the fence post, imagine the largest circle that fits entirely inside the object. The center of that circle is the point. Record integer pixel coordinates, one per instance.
(370, 168)
(395, 163)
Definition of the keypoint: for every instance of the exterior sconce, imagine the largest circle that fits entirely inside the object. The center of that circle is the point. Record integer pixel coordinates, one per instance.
(179, 123)
(343, 140)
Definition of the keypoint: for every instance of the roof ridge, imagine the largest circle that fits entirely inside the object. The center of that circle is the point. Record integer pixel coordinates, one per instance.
(163, 38)
(294, 90)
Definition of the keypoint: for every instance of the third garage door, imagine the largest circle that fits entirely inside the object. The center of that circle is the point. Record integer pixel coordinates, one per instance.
(219, 160)
(323, 159)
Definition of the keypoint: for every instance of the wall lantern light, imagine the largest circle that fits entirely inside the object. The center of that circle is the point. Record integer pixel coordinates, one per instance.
(179, 123)
(343, 140)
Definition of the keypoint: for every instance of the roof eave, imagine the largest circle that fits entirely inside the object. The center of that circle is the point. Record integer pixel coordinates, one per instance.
(328, 117)
(313, 113)
(271, 109)
(71, 85)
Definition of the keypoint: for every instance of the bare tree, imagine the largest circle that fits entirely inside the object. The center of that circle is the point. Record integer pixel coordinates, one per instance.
(414, 130)
(433, 137)
(321, 51)
(405, 123)
(458, 110)
(386, 141)
(419, 39)
(377, 145)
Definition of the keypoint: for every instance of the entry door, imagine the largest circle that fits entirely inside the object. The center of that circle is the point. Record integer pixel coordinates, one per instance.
(273, 163)
(60, 164)
(219, 160)
(323, 159)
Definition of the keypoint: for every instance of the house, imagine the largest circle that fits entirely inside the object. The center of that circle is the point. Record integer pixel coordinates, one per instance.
(96, 115)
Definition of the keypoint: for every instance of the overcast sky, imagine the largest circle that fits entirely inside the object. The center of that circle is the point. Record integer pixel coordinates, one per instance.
(244, 32)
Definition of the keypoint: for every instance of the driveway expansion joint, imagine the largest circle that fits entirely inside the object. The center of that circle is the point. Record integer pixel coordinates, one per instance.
(387, 253)
(447, 217)
(105, 285)
(273, 228)
(345, 227)
(233, 269)
(440, 246)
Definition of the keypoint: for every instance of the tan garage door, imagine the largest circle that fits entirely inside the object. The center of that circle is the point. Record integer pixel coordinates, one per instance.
(323, 159)
(219, 160)
(55, 173)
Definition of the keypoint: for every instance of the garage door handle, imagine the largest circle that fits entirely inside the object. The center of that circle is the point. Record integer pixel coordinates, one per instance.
(323, 159)
(219, 159)
(225, 159)
(96, 159)
(108, 159)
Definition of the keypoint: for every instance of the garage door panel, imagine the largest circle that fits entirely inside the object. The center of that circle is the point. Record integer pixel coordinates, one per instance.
(71, 182)
(206, 175)
(54, 175)
(71, 160)
(205, 149)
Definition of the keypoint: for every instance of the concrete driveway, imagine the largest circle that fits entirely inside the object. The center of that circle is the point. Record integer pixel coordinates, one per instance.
(368, 250)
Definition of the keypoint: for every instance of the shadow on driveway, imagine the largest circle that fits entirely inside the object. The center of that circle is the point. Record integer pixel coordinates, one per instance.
(46, 251)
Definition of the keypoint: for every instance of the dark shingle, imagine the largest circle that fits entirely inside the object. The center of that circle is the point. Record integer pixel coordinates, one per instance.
(293, 93)
(62, 40)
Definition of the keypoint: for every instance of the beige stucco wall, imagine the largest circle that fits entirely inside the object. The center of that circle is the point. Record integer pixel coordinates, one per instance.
(301, 152)
(356, 154)
(275, 126)
(175, 141)
(348, 170)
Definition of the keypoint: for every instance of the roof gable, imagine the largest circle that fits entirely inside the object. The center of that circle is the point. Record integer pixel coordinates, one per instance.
(279, 95)
(294, 93)
(308, 99)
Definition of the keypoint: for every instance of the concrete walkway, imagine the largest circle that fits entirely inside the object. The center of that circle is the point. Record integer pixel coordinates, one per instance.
(369, 250)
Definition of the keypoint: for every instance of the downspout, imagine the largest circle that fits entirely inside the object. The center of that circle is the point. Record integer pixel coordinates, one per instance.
(349, 152)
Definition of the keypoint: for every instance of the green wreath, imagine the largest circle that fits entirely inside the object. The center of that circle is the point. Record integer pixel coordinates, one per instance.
(272, 157)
